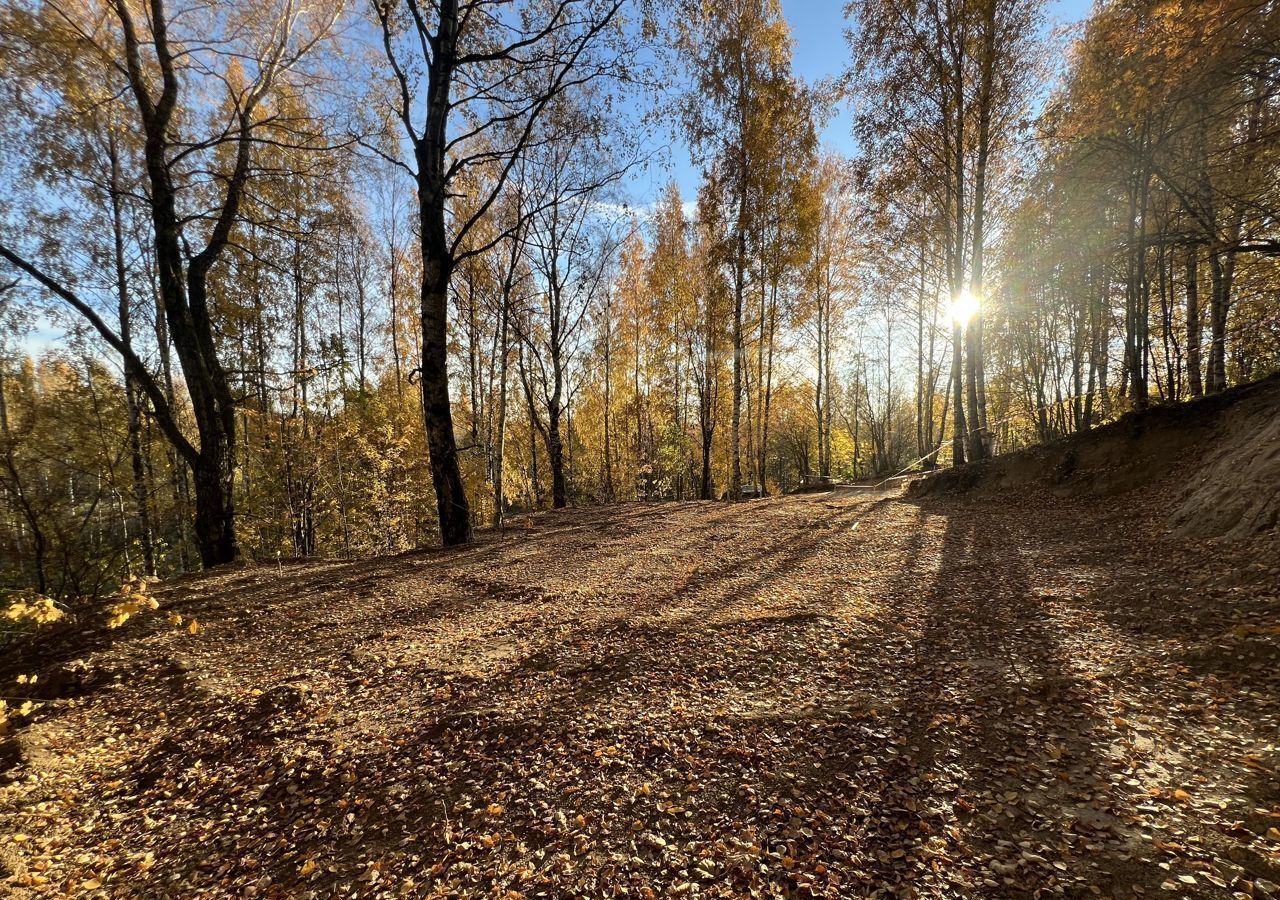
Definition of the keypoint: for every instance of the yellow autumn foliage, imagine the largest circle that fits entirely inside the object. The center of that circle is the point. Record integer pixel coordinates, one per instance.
(134, 599)
(33, 609)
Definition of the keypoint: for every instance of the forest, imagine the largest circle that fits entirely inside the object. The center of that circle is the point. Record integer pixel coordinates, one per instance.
(631, 448)
(295, 280)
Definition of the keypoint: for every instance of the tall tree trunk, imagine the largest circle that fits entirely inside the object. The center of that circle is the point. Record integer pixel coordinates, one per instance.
(555, 403)
(133, 402)
(981, 443)
(430, 151)
(555, 456)
(756, 443)
(609, 491)
(706, 405)
(957, 381)
(215, 510)
(739, 353)
(178, 469)
(974, 444)
(822, 389)
(1222, 255)
(213, 469)
(706, 488)
(739, 289)
(475, 398)
(358, 263)
(642, 456)
(920, 386)
(183, 283)
(1170, 390)
(532, 413)
(500, 436)
(857, 425)
(1137, 289)
(393, 308)
(38, 541)
(1194, 383)
(767, 336)
(827, 410)
(302, 490)
(956, 257)
(452, 509)
(1221, 272)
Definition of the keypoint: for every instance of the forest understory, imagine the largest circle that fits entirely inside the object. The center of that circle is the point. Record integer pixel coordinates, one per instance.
(836, 695)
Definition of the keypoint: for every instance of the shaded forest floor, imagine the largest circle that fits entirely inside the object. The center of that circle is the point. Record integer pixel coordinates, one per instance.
(834, 695)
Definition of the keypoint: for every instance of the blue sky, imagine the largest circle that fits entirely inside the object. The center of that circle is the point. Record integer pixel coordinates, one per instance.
(820, 51)
(817, 27)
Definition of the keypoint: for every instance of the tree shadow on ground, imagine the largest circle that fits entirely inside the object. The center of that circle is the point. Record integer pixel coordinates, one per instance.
(825, 710)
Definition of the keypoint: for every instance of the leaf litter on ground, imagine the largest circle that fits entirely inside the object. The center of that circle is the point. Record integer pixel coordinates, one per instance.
(822, 696)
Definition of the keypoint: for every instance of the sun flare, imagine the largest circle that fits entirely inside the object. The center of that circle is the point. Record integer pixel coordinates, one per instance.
(964, 307)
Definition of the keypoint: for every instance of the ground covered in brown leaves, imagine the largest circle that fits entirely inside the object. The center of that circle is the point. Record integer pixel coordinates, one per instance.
(836, 695)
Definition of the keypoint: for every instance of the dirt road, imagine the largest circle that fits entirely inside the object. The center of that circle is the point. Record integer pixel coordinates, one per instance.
(832, 695)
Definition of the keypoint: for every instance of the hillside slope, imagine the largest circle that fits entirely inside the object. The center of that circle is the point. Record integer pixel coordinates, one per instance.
(829, 696)
(1217, 459)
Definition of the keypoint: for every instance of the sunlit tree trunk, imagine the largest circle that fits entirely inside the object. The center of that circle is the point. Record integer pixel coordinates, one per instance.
(452, 509)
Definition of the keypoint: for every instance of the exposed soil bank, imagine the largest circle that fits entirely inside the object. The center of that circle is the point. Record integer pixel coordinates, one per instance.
(1221, 456)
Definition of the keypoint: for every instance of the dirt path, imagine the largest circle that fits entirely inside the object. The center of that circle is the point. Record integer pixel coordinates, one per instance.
(833, 696)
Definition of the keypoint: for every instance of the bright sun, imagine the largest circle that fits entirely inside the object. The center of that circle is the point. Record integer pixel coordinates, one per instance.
(964, 307)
